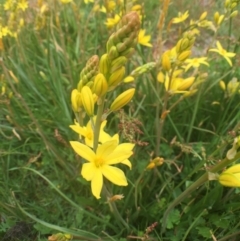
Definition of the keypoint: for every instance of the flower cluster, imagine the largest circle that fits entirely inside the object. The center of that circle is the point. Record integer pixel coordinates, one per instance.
(97, 79)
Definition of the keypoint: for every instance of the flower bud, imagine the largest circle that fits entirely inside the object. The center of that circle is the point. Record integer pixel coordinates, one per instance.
(166, 63)
(203, 16)
(122, 99)
(87, 100)
(90, 69)
(104, 64)
(76, 100)
(128, 79)
(100, 85)
(118, 62)
(186, 83)
(113, 53)
(184, 55)
(230, 177)
(116, 77)
(222, 85)
(234, 14)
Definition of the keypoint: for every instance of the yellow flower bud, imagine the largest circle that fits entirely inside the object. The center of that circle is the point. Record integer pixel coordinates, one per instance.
(116, 77)
(100, 85)
(166, 63)
(184, 55)
(158, 161)
(104, 64)
(182, 45)
(203, 16)
(160, 77)
(87, 100)
(122, 99)
(222, 85)
(76, 100)
(118, 62)
(233, 5)
(186, 83)
(227, 2)
(220, 20)
(230, 177)
(128, 79)
(216, 17)
(234, 14)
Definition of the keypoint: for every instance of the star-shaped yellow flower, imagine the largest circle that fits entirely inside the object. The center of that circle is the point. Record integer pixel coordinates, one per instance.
(22, 5)
(181, 17)
(144, 39)
(88, 134)
(111, 22)
(195, 62)
(100, 163)
(220, 50)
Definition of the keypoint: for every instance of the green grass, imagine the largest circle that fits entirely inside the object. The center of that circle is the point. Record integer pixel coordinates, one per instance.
(41, 189)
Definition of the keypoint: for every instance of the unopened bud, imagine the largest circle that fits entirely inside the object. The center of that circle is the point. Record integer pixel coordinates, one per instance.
(222, 85)
(117, 63)
(104, 64)
(234, 14)
(100, 85)
(76, 100)
(184, 55)
(87, 100)
(122, 99)
(116, 77)
(203, 16)
(186, 83)
(166, 63)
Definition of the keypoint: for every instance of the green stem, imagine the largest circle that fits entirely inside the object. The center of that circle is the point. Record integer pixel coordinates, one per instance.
(229, 33)
(113, 207)
(97, 128)
(204, 178)
(98, 123)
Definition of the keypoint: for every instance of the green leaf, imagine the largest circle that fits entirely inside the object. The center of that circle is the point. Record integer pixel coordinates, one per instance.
(173, 218)
(204, 232)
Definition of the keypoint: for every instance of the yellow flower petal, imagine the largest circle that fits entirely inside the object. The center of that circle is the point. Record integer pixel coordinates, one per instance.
(78, 129)
(118, 157)
(127, 163)
(115, 175)
(88, 171)
(97, 183)
(106, 148)
(229, 180)
(233, 169)
(83, 151)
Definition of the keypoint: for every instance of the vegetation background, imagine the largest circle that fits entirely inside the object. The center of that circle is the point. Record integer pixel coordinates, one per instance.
(44, 46)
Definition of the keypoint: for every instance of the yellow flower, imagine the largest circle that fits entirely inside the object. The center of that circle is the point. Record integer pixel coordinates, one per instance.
(4, 31)
(220, 50)
(177, 84)
(65, 1)
(88, 133)
(144, 39)
(195, 62)
(181, 17)
(111, 22)
(230, 177)
(23, 4)
(100, 163)
(8, 5)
